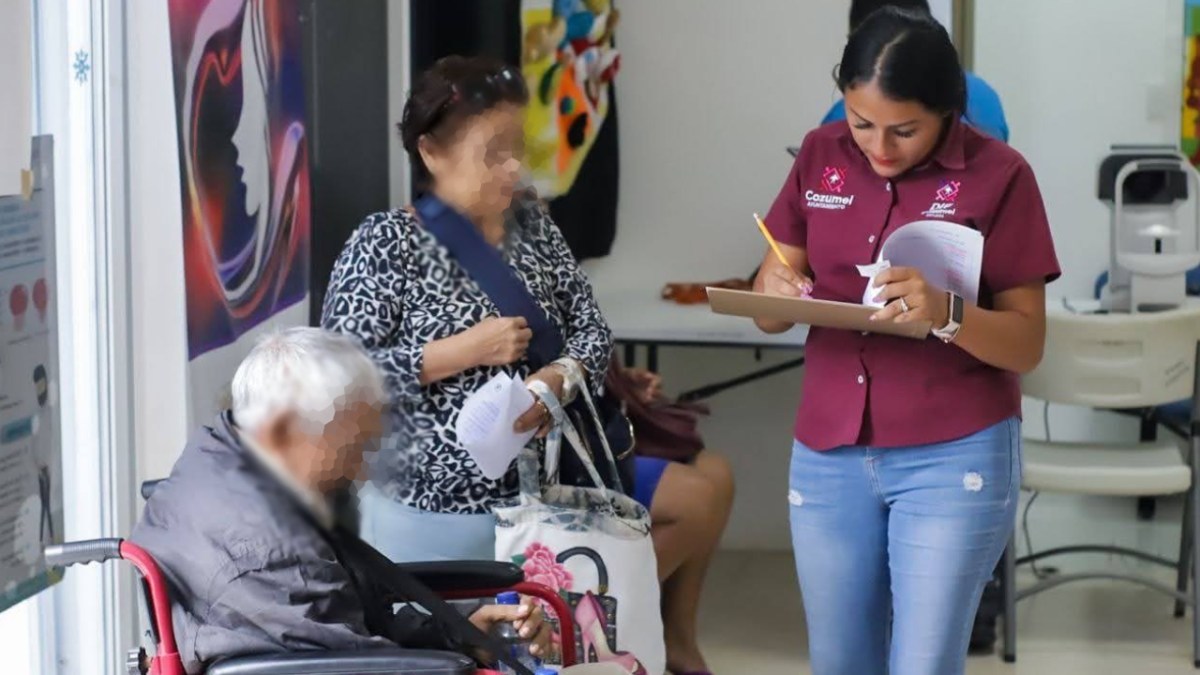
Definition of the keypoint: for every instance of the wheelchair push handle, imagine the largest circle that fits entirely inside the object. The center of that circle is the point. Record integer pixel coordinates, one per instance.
(166, 660)
(83, 552)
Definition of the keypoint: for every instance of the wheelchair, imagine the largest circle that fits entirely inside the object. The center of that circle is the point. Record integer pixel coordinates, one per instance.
(451, 580)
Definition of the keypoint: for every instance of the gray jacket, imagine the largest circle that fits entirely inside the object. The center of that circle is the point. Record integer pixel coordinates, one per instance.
(251, 572)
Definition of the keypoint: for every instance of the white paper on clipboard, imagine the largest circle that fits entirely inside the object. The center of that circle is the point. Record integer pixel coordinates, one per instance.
(949, 255)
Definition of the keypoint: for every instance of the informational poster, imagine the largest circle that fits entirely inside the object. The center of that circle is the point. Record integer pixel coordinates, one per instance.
(239, 93)
(31, 505)
(1190, 133)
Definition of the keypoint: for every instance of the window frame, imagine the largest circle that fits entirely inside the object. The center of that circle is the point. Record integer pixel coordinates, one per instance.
(87, 622)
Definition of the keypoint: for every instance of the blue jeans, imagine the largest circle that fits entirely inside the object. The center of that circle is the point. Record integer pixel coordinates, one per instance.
(894, 546)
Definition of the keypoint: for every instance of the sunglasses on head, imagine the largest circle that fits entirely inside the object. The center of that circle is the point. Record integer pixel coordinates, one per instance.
(483, 91)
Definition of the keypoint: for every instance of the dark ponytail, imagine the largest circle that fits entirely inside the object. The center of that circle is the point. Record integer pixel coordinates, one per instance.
(910, 56)
(452, 91)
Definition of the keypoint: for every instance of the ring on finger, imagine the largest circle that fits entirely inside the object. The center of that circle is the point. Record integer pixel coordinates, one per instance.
(904, 306)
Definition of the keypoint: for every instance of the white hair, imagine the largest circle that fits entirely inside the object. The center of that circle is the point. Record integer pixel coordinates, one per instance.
(309, 372)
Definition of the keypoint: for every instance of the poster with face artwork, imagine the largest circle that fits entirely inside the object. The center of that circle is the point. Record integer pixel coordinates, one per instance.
(239, 94)
(31, 504)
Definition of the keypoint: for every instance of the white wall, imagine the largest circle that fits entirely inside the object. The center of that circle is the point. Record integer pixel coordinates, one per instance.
(943, 10)
(1080, 81)
(159, 322)
(709, 95)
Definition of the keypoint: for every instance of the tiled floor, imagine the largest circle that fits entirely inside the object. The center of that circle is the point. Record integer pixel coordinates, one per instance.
(752, 621)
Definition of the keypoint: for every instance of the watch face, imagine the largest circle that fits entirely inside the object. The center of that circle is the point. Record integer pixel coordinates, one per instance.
(956, 310)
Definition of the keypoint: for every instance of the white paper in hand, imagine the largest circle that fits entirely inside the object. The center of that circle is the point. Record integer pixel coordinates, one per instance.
(485, 424)
(870, 272)
(949, 255)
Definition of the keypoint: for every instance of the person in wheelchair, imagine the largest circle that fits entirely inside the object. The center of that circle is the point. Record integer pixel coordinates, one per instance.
(244, 531)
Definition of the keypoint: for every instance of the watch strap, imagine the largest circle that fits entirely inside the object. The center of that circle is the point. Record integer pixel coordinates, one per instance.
(948, 332)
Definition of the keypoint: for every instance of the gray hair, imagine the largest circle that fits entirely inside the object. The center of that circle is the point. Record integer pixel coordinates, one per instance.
(309, 372)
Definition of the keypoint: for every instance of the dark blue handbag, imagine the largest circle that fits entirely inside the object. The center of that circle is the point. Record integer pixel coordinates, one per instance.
(487, 268)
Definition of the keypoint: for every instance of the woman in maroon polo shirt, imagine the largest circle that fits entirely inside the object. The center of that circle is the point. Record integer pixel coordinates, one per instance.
(906, 466)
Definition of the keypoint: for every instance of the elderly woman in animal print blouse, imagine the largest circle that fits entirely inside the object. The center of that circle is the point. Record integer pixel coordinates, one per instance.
(436, 335)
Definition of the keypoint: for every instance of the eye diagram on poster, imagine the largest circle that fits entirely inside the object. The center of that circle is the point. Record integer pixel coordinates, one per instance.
(239, 94)
(31, 509)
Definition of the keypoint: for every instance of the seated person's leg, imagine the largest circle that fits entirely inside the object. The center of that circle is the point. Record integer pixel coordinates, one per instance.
(689, 510)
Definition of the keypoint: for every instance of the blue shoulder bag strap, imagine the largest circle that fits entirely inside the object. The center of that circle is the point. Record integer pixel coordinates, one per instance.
(485, 265)
(506, 290)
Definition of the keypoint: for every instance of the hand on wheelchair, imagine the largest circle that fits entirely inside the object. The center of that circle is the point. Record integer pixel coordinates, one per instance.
(526, 617)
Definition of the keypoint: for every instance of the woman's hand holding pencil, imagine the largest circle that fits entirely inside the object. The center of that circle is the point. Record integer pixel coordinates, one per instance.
(781, 279)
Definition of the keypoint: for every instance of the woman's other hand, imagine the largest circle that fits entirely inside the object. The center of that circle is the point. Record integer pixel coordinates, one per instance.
(775, 278)
(910, 298)
(538, 417)
(499, 341)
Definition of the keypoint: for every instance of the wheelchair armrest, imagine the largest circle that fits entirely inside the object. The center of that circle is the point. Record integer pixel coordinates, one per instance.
(465, 576)
(359, 662)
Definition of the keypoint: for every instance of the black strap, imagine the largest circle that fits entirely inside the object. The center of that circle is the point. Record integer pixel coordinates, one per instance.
(406, 586)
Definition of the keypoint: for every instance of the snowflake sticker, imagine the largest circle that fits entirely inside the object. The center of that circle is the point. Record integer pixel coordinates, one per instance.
(81, 66)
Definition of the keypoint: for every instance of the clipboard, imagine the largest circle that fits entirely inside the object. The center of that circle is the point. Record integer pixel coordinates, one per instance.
(821, 313)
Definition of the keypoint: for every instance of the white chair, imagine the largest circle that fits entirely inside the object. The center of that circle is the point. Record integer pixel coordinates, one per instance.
(1116, 362)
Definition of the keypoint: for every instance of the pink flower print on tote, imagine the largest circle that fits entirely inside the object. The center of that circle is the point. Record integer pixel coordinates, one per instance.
(541, 567)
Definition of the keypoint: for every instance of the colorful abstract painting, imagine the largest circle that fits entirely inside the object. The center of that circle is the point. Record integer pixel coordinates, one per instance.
(1190, 136)
(239, 94)
(569, 61)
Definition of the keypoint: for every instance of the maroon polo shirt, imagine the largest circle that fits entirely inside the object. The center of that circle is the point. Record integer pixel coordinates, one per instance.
(886, 391)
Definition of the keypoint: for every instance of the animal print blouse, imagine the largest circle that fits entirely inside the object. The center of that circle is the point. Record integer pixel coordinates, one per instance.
(397, 289)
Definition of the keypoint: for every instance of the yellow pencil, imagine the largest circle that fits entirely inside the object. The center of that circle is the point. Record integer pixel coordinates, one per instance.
(762, 227)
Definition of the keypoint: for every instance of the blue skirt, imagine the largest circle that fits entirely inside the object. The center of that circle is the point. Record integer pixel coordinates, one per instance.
(648, 471)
